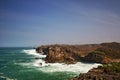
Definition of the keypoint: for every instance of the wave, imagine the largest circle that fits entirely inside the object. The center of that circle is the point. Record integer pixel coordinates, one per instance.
(6, 78)
(40, 64)
(33, 52)
(79, 67)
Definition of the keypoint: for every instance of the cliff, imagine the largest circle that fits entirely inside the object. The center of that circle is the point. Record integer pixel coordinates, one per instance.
(66, 53)
(100, 53)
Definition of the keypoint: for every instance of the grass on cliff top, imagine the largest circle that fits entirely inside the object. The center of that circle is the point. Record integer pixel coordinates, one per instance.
(98, 52)
(115, 67)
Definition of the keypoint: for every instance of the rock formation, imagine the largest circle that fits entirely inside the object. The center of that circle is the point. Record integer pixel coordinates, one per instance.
(105, 72)
(65, 53)
(100, 53)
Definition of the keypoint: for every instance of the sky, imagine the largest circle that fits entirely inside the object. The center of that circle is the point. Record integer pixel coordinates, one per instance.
(41, 22)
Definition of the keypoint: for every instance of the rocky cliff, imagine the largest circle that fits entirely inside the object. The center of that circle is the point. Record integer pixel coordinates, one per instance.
(100, 53)
(105, 72)
(65, 53)
(107, 53)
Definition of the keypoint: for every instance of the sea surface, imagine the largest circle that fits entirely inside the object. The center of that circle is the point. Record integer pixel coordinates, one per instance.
(20, 63)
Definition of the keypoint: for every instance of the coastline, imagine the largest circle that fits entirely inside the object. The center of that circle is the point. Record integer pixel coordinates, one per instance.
(93, 53)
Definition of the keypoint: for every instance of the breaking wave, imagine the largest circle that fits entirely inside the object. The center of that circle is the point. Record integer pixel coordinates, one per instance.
(34, 53)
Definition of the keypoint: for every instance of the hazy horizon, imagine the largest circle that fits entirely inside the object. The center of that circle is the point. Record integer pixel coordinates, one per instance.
(39, 22)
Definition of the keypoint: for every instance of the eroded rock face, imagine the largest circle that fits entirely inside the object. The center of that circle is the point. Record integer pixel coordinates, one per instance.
(100, 53)
(58, 54)
(65, 53)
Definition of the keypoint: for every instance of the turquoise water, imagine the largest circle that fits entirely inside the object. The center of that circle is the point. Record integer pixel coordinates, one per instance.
(13, 66)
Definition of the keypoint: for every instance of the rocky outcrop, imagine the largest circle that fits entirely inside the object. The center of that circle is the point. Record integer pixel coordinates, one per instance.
(65, 53)
(99, 53)
(60, 55)
(98, 74)
(56, 54)
(105, 72)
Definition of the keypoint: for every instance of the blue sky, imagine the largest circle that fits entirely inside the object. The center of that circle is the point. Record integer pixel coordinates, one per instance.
(39, 22)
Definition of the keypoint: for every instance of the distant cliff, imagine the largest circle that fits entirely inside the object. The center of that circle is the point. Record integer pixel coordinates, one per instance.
(100, 53)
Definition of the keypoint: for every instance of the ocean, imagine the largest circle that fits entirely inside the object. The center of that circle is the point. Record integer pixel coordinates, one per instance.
(20, 63)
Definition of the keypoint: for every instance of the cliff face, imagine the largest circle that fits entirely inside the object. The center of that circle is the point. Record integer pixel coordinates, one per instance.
(57, 54)
(100, 53)
(65, 53)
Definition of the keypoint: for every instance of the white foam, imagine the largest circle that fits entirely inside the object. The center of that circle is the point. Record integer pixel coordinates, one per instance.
(40, 63)
(76, 68)
(33, 52)
(6, 78)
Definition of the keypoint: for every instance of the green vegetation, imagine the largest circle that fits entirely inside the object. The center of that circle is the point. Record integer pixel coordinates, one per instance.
(98, 52)
(114, 67)
(111, 50)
